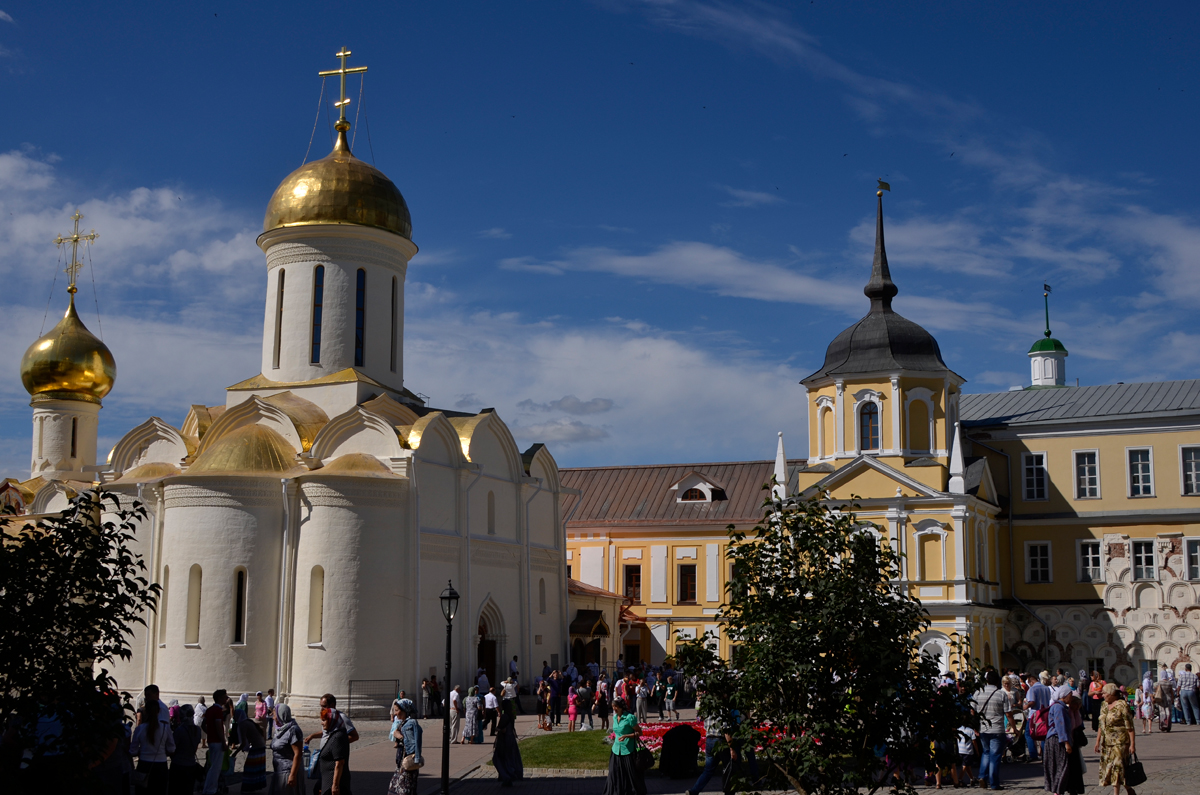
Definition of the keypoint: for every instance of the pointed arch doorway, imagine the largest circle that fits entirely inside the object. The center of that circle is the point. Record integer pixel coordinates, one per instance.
(490, 642)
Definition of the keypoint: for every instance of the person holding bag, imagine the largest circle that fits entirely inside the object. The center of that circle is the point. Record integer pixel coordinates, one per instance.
(409, 760)
(624, 777)
(335, 754)
(1116, 741)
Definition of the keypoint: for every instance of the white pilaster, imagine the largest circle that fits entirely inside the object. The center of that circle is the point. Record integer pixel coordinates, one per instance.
(896, 447)
(840, 417)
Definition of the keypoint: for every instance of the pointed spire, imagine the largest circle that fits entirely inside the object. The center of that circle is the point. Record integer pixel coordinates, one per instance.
(781, 472)
(880, 289)
(957, 483)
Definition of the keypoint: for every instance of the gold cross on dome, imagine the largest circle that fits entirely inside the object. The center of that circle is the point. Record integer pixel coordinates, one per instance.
(75, 239)
(342, 72)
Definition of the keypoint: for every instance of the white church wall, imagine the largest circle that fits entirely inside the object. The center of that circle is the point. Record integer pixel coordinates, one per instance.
(131, 674)
(64, 437)
(493, 504)
(356, 531)
(221, 524)
(542, 520)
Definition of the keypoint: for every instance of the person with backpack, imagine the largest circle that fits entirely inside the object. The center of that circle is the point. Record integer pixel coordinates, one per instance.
(992, 704)
(1037, 702)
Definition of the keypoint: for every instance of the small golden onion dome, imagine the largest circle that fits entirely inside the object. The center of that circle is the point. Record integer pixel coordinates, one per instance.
(69, 363)
(248, 450)
(339, 189)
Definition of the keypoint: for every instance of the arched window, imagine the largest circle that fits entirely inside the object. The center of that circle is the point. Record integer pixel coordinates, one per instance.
(192, 633)
(278, 320)
(868, 427)
(692, 495)
(918, 427)
(542, 595)
(162, 606)
(491, 513)
(318, 299)
(360, 317)
(395, 318)
(239, 605)
(316, 604)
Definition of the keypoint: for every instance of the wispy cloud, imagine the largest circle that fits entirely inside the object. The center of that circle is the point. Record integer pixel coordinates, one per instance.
(749, 198)
(570, 404)
(5, 17)
(495, 233)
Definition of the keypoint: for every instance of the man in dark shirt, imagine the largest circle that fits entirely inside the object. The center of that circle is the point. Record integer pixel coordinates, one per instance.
(335, 755)
(214, 731)
(583, 703)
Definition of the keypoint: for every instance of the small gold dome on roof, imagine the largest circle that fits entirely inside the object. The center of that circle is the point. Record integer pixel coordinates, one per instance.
(69, 363)
(249, 450)
(339, 189)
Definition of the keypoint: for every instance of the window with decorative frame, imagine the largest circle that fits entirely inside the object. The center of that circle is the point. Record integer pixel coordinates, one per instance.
(868, 426)
(1033, 466)
(1190, 474)
(1089, 562)
(1087, 474)
(1144, 563)
(633, 582)
(1191, 550)
(1037, 562)
(687, 583)
(1141, 472)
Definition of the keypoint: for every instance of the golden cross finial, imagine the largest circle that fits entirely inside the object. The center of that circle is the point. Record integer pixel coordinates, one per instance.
(342, 72)
(75, 239)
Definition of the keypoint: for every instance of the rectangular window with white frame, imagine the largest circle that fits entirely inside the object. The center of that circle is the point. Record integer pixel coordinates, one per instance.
(1189, 474)
(1037, 562)
(1087, 474)
(1089, 561)
(1034, 467)
(1141, 471)
(1144, 564)
(1191, 550)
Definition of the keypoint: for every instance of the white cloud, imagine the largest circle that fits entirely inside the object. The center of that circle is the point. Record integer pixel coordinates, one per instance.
(4, 17)
(570, 404)
(563, 432)
(748, 198)
(495, 233)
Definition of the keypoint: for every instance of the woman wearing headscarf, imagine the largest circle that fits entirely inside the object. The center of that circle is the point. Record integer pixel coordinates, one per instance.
(183, 761)
(250, 740)
(471, 721)
(1116, 740)
(623, 776)
(335, 753)
(408, 751)
(506, 756)
(287, 754)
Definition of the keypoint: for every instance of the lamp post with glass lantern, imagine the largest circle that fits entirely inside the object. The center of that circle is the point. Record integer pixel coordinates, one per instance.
(449, 600)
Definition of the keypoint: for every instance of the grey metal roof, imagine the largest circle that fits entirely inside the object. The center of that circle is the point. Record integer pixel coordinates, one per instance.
(883, 340)
(1074, 404)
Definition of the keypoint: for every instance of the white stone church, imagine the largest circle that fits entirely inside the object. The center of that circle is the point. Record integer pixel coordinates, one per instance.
(303, 531)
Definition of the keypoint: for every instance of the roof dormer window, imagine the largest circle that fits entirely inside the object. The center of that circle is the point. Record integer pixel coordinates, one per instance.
(693, 495)
(697, 487)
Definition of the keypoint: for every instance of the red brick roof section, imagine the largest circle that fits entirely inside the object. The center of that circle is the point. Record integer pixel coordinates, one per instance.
(633, 496)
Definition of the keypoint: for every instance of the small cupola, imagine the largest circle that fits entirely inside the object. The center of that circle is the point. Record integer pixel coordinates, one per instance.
(1047, 357)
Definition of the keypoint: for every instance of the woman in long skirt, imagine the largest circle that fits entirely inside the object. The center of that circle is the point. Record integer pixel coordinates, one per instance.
(506, 756)
(1116, 740)
(254, 771)
(404, 782)
(471, 720)
(623, 776)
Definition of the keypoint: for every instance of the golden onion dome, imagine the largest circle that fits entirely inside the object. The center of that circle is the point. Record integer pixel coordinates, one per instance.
(248, 450)
(339, 189)
(69, 363)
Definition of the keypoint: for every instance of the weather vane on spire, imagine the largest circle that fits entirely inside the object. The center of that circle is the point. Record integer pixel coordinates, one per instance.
(342, 124)
(75, 239)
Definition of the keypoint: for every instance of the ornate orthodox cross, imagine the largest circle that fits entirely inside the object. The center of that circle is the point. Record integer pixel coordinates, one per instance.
(342, 72)
(75, 239)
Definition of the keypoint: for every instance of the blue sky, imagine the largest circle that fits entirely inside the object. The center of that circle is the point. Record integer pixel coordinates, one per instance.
(640, 222)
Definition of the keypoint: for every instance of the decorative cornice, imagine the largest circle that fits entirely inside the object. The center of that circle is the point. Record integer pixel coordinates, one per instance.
(223, 493)
(335, 251)
(348, 493)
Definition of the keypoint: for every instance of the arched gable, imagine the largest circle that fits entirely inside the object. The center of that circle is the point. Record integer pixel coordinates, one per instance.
(357, 431)
(53, 497)
(539, 463)
(435, 439)
(154, 441)
(256, 411)
(487, 441)
(391, 410)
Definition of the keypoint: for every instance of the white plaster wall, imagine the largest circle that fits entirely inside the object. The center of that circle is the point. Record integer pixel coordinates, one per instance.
(355, 529)
(131, 674)
(52, 437)
(342, 251)
(221, 523)
(506, 507)
(543, 530)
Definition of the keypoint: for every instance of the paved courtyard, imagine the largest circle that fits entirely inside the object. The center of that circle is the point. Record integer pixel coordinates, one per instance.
(1172, 761)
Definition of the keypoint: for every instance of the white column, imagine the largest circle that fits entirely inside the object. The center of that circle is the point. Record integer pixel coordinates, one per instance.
(896, 414)
(840, 417)
(64, 439)
(959, 515)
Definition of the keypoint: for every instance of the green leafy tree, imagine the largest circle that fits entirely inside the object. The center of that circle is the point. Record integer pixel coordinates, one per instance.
(71, 590)
(827, 676)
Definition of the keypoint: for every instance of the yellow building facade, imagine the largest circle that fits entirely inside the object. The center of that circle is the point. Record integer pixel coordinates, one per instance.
(1048, 526)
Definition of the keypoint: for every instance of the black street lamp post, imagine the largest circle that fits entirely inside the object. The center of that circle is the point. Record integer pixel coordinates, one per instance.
(449, 608)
